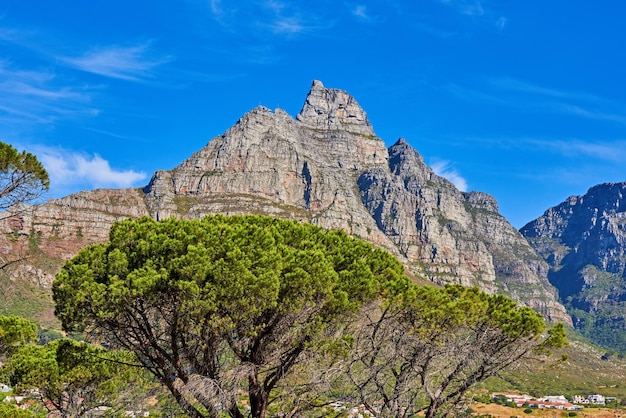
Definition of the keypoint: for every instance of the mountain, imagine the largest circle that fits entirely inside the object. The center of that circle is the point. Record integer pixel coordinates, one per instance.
(327, 167)
(584, 241)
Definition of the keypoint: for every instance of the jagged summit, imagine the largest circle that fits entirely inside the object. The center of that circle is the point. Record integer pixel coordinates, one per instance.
(333, 109)
(325, 167)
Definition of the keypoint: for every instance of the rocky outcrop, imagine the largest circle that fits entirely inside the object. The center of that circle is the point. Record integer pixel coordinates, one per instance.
(584, 241)
(450, 236)
(326, 167)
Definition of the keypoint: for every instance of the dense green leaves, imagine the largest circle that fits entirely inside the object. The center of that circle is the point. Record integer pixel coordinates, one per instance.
(74, 377)
(14, 332)
(214, 306)
(220, 301)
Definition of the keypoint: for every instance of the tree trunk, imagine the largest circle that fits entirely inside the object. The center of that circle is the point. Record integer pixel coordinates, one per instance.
(431, 412)
(186, 406)
(258, 397)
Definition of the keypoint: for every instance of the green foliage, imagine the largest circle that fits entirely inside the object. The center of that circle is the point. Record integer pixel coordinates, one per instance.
(9, 410)
(14, 332)
(22, 177)
(502, 400)
(431, 345)
(243, 297)
(75, 377)
(528, 411)
(599, 311)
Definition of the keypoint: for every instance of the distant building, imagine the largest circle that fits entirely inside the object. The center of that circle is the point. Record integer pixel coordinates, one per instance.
(554, 399)
(597, 399)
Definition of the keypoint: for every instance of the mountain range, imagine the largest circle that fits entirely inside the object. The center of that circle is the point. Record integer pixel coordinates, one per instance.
(327, 166)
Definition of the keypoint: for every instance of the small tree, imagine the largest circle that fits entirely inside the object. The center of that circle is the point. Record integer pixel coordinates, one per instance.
(425, 347)
(215, 305)
(15, 332)
(74, 377)
(23, 179)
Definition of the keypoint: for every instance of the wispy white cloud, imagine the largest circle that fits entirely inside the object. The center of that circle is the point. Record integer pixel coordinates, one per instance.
(275, 6)
(576, 150)
(216, 8)
(360, 12)
(479, 10)
(259, 18)
(68, 168)
(519, 94)
(501, 22)
(515, 84)
(38, 96)
(445, 169)
(287, 25)
(466, 7)
(609, 151)
(131, 63)
(570, 102)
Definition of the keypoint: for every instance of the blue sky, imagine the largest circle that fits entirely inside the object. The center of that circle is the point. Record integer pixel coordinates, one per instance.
(524, 100)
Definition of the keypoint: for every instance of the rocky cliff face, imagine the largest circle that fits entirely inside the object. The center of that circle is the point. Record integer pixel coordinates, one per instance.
(326, 167)
(584, 241)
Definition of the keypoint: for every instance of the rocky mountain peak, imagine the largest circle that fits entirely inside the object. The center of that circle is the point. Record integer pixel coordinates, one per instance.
(328, 168)
(403, 157)
(333, 110)
(583, 239)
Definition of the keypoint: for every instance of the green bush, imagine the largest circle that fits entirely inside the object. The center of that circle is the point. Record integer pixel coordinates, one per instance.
(528, 411)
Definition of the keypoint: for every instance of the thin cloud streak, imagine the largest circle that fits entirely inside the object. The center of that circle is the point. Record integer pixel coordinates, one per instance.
(37, 96)
(270, 16)
(466, 7)
(566, 150)
(574, 148)
(129, 63)
(535, 98)
(514, 84)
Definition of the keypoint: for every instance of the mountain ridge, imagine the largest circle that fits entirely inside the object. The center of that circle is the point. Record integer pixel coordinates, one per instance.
(583, 239)
(325, 166)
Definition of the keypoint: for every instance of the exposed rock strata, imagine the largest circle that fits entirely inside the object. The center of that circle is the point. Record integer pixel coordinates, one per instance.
(326, 167)
(583, 240)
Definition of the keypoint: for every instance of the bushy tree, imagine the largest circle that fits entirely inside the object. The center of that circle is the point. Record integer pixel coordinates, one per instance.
(425, 347)
(23, 179)
(15, 332)
(75, 377)
(10, 410)
(210, 306)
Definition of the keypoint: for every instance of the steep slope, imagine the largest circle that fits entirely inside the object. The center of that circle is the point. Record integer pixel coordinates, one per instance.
(584, 241)
(326, 167)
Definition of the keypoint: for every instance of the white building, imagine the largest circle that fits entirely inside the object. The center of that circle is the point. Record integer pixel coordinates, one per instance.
(554, 399)
(580, 400)
(597, 399)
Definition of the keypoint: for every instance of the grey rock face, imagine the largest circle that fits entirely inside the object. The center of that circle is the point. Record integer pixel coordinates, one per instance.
(327, 167)
(332, 109)
(584, 241)
(454, 237)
